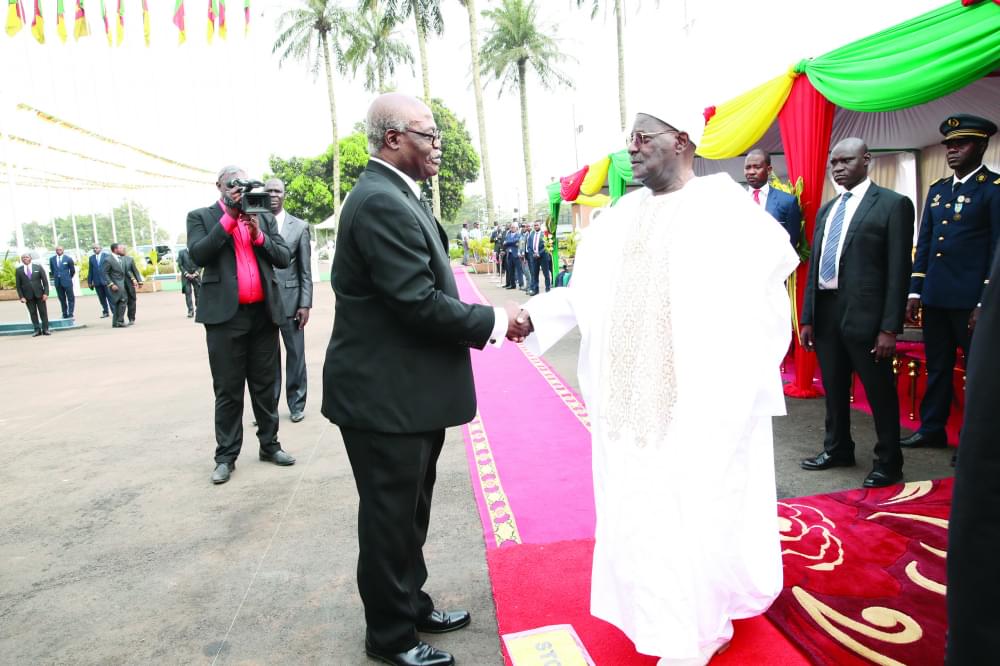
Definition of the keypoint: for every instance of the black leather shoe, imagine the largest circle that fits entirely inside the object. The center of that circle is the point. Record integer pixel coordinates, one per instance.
(222, 472)
(279, 457)
(36, 334)
(420, 654)
(825, 461)
(297, 416)
(441, 622)
(880, 479)
(105, 315)
(936, 440)
(190, 314)
(46, 333)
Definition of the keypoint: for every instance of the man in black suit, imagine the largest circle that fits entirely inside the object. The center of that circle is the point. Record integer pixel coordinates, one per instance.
(295, 286)
(63, 269)
(133, 278)
(855, 299)
(190, 279)
(95, 280)
(113, 272)
(33, 289)
(957, 239)
(782, 206)
(974, 526)
(241, 311)
(398, 372)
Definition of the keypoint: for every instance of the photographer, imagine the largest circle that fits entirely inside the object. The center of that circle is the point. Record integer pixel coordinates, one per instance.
(190, 279)
(239, 246)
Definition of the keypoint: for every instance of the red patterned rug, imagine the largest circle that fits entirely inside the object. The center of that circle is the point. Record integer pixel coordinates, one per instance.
(865, 574)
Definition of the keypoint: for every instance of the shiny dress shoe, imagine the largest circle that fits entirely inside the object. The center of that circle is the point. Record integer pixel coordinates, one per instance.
(222, 472)
(279, 457)
(297, 416)
(936, 440)
(420, 654)
(36, 334)
(105, 315)
(441, 622)
(879, 479)
(825, 461)
(46, 333)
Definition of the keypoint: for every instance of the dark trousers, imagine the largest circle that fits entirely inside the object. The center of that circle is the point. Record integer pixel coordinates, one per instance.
(945, 329)
(104, 297)
(130, 302)
(838, 359)
(191, 290)
(513, 263)
(295, 366)
(118, 299)
(243, 353)
(395, 476)
(67, 299)
(38, 310)
(533, 266)
(546, 265)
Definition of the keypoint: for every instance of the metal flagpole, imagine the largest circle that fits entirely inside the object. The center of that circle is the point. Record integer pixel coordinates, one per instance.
(93, 218)
(77, 288)
(131, 222)
(12, 189)
(114, 229)
(52, 218)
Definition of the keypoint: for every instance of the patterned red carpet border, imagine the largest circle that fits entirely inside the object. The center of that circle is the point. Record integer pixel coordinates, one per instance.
(865, 574)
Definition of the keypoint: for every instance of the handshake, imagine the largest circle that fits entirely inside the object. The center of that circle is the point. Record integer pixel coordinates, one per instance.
(518, 322)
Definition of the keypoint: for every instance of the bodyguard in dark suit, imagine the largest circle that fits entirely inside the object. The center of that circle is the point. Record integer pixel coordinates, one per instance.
(63, 269)
(95, 279)
(295, 287)
(537, 254)
(33, 289)
(855, 298)
(133, 279)
(974, 526)
(113, 271)
(241, 310)
(782, 206)
(190, 279)
(511, 248)
(398, 372)
(956, 241)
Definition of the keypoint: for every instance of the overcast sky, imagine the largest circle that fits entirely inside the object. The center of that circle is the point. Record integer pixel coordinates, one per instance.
(210, 105)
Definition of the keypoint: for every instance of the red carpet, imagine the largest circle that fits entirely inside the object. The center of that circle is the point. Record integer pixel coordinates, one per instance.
(865, 574)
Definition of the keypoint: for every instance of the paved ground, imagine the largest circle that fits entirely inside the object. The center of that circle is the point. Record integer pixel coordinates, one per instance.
(115, 547)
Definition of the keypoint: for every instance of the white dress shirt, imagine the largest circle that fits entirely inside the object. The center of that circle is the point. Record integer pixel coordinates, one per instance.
(857, 194)
(500, 322)
(763, 194)
(280, 217)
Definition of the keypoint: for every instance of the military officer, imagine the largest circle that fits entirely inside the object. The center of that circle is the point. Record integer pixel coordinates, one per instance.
(955, 245)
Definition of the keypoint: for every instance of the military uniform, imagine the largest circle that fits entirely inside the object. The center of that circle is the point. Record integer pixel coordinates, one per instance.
(956, 243)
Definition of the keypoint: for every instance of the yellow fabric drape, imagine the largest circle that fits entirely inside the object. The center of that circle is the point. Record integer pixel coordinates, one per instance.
(596, 176)
(741, 121)
(594, 201)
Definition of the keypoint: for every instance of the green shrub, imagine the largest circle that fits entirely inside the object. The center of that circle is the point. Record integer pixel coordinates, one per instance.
(7, 274)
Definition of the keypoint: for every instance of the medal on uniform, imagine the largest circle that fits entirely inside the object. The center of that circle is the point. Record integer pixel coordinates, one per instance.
(958, 206)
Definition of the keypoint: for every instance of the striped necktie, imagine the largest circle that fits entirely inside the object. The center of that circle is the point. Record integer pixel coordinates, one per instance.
(828, 264)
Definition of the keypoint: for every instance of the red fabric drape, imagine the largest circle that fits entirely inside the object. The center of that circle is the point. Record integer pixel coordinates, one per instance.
(570, 185)
(805, 122)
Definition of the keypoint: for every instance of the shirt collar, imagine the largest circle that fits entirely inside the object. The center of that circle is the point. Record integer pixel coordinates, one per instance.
(764, 189)
(280, 217)
(956, 179)
(859, 190)
(406, 179)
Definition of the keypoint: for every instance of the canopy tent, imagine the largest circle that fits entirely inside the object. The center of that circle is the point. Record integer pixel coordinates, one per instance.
(892, 89)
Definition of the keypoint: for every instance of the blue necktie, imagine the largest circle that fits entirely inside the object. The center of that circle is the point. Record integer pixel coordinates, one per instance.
(828, 264)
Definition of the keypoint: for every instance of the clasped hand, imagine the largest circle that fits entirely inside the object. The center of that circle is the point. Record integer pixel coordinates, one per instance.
(518, 322)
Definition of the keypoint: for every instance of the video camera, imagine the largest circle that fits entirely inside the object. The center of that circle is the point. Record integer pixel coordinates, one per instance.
(251, 202)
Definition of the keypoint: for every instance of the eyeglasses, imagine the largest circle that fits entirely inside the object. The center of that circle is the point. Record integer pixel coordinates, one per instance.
(433, 137)
(642, 138)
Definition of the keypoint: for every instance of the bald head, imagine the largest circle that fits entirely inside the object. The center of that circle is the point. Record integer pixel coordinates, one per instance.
(849, 161)
(401, 131)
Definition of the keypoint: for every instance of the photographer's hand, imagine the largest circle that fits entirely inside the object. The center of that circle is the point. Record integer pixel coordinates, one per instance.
(234, 195)
(254, 225)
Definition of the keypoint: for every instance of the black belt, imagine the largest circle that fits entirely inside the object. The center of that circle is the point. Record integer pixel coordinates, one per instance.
(250, 306)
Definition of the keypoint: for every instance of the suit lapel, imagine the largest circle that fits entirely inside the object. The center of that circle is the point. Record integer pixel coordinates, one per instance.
(859, 214)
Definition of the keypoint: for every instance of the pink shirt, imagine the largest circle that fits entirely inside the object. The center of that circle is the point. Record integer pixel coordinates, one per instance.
(247, 271)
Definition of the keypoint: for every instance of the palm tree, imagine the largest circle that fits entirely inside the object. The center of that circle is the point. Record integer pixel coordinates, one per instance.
(620, 25)
(477, 89)
(514, 43)
(309, 33)
(375, 47)
(426, 15)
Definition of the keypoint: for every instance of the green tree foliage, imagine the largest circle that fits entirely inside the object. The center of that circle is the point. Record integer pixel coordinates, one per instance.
(39, 234)
(307, 178)
(374, 49)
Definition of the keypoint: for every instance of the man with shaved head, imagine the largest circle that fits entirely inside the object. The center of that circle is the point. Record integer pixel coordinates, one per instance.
(398, 372)
(855, 300)
(782, 206)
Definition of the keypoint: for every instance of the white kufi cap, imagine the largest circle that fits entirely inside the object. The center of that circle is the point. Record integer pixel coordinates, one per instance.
(682, 115)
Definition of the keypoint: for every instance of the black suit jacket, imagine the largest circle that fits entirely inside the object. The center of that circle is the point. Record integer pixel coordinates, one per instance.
(34, 288)
(113, 271)
(874, 269)
(212, 247)
(131, 273)
(784, 207)
(398, 359)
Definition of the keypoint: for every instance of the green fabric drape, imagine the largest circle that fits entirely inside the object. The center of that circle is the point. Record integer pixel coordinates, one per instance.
(914, 62)
(619, 174)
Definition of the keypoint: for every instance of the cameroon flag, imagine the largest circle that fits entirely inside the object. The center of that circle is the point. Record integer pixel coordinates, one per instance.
(222, 19)
(211, 20)
(80, 27)
(37, 24)
(61, 21)
(15, 17)
(246, 16)
(179, 21)
(120, 32)
(145, 20)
